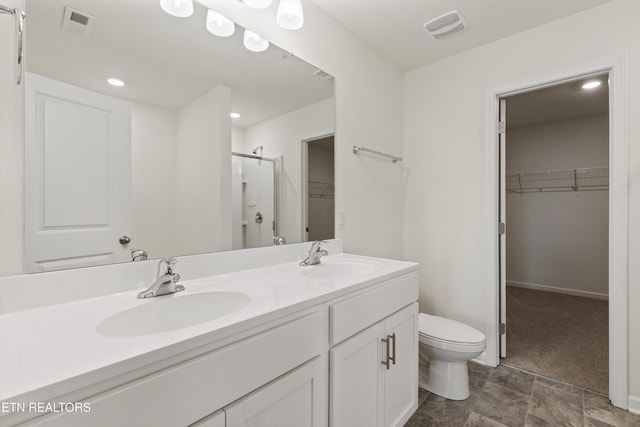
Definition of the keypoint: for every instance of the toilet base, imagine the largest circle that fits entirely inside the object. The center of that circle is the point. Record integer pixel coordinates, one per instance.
(447, 379)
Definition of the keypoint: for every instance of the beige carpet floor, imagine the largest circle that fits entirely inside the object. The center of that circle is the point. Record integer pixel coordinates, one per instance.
(559, 336)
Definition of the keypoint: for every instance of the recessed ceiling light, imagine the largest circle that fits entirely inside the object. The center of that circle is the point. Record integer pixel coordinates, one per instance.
(115, 82)
(234, 115)
(591, 84)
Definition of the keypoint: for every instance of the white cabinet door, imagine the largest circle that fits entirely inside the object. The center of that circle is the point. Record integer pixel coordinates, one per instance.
(363, 390)
(293, 400)
(356, 388)
(77, 176)
(401, 379)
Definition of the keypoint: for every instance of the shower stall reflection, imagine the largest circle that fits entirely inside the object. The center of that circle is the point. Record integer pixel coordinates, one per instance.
(254, 198)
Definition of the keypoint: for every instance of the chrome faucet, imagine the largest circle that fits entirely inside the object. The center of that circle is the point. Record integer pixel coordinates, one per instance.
(315, 253)
(166, 280)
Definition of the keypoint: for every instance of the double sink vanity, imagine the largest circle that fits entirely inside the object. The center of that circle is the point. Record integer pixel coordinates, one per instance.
(255, 339)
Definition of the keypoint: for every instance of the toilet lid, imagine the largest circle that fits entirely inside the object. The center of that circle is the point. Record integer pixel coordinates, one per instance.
(448, 330)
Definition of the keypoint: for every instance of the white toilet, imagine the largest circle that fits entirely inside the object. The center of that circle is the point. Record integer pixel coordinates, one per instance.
(448, 345)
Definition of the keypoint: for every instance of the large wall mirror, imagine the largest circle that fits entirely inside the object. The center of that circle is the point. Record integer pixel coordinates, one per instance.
(159, 166)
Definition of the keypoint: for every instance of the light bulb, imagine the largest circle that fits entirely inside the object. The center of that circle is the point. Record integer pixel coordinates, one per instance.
(219, 25)
(257, 4)
(115, 82)
(290, 15)
(254, 42)
(591, 84)
(179, 8)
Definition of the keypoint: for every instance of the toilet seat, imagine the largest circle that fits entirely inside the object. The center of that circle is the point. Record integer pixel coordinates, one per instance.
(447, 334)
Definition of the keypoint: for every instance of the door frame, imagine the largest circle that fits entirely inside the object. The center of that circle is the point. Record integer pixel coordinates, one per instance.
(304, 151)
(617, 67)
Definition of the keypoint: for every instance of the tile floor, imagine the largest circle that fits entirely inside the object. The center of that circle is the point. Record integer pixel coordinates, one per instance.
(510, 397)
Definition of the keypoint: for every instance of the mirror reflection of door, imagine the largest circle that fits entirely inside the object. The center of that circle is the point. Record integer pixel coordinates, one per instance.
(320, 189)
(254, 200)
(78, 177)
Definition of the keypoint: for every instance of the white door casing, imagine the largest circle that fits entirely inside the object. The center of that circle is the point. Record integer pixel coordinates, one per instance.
(617, 67)
(502, 230)
(77, 176)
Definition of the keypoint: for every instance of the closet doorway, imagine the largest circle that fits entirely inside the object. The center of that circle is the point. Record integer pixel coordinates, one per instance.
(554, 191)
(319, 188)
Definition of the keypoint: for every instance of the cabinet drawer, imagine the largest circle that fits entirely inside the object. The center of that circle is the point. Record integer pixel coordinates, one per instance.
(355, 314)
(185, 393)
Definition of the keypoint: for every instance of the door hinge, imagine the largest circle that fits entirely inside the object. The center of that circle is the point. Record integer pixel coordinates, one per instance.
(502, 228)
(502, 127)
(502, 328)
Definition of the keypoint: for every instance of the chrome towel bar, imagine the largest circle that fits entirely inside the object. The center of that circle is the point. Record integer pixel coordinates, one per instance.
(20, 15)
(394, 159)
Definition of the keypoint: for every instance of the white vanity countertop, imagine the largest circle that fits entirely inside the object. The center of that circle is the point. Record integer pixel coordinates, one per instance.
(49, 351)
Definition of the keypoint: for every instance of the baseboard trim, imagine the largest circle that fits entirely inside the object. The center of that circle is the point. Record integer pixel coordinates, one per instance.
(536, 287)
(634, 404)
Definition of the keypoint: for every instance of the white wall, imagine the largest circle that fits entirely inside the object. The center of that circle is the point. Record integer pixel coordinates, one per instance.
(445, 155)
(368, 112)
(203, 155)
(153, 179)
(163, 210)
(282, 136)
(237, 140)
(559, 240)
(11, 149)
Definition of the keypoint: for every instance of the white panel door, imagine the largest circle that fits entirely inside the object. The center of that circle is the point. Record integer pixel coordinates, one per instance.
(401, 377)
(77, 176)
(356, 380)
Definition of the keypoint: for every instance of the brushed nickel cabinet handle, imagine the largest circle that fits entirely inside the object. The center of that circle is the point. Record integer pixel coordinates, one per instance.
(392, 337)
(387, 358)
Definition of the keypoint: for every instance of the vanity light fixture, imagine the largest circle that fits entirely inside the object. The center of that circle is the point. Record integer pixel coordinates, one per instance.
(234, 115)
(115, 82)
(290, 15)
(179, 8)
(257, 4)
(592, 84)
(254, 42)
(219, 25)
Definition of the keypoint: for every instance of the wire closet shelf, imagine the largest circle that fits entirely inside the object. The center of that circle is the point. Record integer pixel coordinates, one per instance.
(580, 179)
(321, 190)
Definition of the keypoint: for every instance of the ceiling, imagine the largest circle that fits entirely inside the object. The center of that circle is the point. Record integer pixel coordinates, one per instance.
(166, 61)
(395, 27)
(561, 102)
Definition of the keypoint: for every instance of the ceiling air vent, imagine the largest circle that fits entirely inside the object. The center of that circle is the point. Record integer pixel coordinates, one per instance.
(77, 22)
(446, 24)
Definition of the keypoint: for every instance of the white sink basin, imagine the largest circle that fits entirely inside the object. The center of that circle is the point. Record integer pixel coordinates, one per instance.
(340, 269)
(170, 312)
